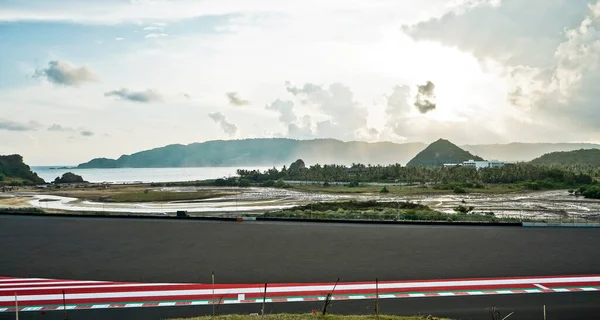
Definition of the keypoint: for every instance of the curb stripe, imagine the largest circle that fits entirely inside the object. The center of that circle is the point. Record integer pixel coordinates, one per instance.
(114, 295)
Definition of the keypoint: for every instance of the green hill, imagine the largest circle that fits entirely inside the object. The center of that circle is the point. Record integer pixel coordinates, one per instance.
(13, 170)
(262, 152)
(518, 151)
(583, 157)
(440, 152)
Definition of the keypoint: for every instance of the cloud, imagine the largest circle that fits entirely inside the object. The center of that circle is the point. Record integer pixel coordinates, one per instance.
(152, 28)
(397, 102)
(228, 127)
(285, 109)
(336, 102)
(9, 125)
(515, 32)
(187, 96)
(235, 99)
(119, 39)
(156, 35)
(425, 100)
(64, 73)
(86, 133)
(58, 128)
(147, 96)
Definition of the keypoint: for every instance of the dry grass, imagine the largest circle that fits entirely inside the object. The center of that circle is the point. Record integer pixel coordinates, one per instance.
(139, 193)
(14, 202)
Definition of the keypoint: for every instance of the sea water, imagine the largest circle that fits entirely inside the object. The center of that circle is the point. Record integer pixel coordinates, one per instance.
(145, 175)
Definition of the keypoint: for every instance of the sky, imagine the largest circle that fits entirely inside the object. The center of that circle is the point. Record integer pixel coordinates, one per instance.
(102, 78)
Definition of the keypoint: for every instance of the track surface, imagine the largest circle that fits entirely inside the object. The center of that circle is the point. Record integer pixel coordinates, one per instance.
(183, 251)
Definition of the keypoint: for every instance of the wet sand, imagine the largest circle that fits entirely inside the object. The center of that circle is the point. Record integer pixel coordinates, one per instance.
(555, 204)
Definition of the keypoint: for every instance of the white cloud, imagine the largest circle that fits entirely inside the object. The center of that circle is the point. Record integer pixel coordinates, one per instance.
(65, 73)
(9, 125)
(119, 39)
(156, 35)
(235, 99)
(146, 96)
(58, 128)
(285, 109)
(228, 127)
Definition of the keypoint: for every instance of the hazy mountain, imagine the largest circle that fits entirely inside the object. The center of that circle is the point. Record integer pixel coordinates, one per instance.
(13, 169)
(523, 151)
(590, 157)
(440, 152)
(263, 152)
(269, 152)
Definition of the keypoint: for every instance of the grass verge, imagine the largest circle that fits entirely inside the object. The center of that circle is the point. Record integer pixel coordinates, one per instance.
(311, 317)
(375, 210)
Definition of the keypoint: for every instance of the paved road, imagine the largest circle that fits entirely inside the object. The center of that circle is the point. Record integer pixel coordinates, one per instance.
(186, 251)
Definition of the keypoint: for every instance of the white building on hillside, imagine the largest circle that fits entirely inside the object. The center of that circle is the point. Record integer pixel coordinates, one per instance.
(478, 164)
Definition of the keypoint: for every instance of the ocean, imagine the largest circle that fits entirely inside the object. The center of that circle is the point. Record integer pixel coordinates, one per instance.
(145, 175)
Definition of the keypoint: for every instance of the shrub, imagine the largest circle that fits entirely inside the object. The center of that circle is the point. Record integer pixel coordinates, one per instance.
(268, 183)
(353, 184)
(280, 184)
(531, 186)
(463, 209)
(458, 189)
(244, 183)
(326, 184)
(384, 190)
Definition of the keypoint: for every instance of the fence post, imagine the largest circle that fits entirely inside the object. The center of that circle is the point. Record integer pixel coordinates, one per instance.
(377, 297)
(328, 297)
(213, 293)
(262, 311)
(65, 305)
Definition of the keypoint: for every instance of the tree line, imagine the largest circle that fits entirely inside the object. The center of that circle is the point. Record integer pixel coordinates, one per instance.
(536, 175)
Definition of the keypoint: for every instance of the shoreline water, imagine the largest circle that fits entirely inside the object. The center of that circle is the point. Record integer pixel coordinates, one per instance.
(141, 175)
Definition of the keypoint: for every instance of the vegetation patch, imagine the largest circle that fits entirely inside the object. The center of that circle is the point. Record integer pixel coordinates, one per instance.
(374, 210)
(313, 316)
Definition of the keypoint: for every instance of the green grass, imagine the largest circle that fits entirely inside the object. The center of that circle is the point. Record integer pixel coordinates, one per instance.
(377, 210)
(311, 317)
(157, 196)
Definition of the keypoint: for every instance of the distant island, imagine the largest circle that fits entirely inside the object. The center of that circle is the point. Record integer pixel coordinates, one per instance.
(279, 151)
(13, 171)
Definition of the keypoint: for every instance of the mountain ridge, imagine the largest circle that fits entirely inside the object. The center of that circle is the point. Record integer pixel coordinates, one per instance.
(280, 151)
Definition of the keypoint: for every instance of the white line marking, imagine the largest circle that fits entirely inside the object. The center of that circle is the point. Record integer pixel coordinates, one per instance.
(307, 288)
(128, 285)
(541, 286)
(47, 283)
(21, 279)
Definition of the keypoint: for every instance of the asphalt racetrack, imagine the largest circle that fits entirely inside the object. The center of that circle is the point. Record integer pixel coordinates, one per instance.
(252, 252)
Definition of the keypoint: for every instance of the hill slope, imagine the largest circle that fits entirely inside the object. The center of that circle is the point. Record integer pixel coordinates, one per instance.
(12, 169)
(518, 151)
(590, 157)
(262, 152)
(440, 152)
